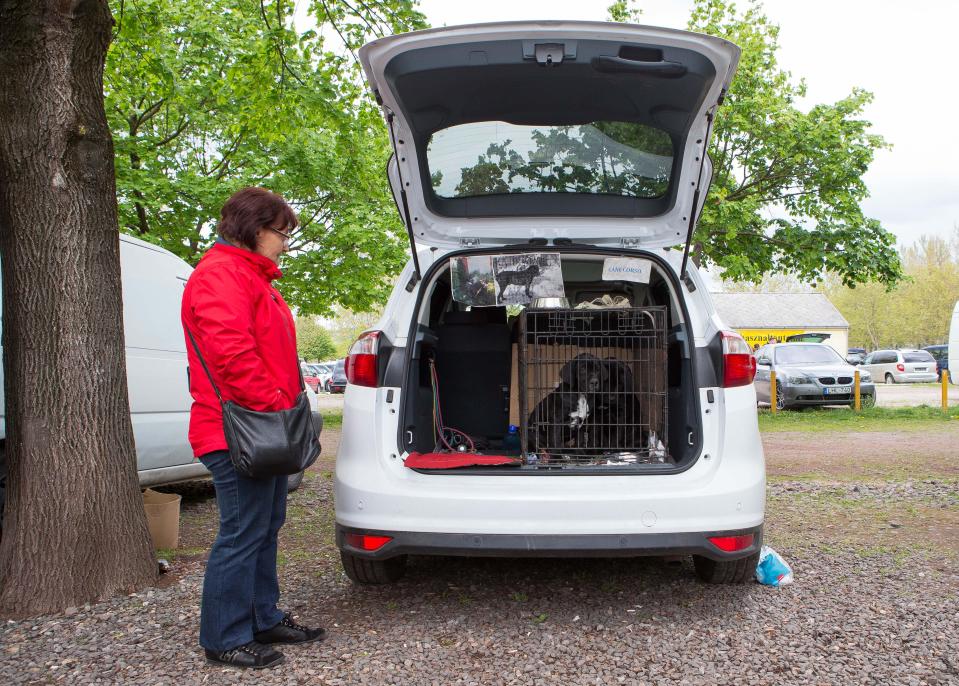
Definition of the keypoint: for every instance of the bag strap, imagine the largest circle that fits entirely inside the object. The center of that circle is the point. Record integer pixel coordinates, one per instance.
(299, 368)
(205, 368)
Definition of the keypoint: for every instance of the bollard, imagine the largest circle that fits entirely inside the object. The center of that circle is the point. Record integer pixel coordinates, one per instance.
(858, 397)
(945, 390)
(772, 392)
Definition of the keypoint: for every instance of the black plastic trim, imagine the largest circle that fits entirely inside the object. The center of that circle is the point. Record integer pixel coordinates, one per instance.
(549, 545)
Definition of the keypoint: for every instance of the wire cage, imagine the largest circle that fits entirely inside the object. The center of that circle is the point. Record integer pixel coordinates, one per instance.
(592, 386)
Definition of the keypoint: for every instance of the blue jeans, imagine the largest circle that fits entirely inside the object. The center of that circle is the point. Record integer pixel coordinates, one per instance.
(240, 588)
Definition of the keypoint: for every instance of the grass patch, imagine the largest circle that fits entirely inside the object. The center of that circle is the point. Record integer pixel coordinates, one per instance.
(921, 418)
(332, 419)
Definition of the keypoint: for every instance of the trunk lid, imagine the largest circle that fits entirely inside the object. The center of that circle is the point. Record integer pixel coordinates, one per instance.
(591, 132)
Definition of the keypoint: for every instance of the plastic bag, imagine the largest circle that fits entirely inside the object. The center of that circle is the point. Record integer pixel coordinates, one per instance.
(772, 569)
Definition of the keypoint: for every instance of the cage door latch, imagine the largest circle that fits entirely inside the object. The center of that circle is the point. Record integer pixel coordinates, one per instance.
(469, 242)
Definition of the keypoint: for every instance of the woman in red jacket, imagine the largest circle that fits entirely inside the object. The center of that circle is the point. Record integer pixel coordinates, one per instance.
(246, 335)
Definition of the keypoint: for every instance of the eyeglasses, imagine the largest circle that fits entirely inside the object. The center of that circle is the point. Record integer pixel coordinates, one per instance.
(287, 235)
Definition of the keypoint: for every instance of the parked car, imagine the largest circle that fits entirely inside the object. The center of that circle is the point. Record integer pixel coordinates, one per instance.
(310, 377)
(452, 95)
(809, 374)
(808, 337)
(940, 354)
(157, 376)
(323, 372)
(855, 356)
(337, 381)
(901, 366)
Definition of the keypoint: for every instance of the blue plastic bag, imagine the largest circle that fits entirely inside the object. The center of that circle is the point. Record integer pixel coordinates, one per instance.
(772, 569)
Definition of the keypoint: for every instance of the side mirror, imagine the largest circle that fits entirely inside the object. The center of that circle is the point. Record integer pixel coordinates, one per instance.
(763, 361)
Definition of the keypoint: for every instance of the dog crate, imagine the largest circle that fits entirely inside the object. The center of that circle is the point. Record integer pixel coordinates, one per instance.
(592, 386)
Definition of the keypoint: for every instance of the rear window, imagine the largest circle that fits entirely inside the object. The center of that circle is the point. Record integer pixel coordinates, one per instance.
(807, 354)
(921, 356)
(497, 158)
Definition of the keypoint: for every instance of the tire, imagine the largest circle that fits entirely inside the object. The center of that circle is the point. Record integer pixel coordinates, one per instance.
(866, 401)
(293, 482)
(726, 571)
(890, 378)
(780, 398)
(373, 572)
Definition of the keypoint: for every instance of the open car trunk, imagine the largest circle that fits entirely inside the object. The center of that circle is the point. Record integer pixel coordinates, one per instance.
(599, 382)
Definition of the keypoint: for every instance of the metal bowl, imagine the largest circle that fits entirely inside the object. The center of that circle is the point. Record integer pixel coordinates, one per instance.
(550, 304)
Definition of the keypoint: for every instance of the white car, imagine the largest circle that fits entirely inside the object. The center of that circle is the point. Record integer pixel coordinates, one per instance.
(157, 375)
(901, 366)
(549, 165)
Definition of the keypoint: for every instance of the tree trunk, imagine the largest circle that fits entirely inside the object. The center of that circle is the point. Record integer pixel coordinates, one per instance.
(74, 526)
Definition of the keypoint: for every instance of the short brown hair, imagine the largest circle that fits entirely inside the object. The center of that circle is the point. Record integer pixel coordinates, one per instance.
(249, 210)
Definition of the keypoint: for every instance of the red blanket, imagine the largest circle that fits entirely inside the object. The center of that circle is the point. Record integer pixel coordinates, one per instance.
(454, 460)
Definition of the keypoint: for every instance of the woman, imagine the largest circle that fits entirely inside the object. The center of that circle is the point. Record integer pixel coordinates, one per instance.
(245, 332)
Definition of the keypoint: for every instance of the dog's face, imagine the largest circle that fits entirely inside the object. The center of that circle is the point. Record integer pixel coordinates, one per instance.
(585, 373)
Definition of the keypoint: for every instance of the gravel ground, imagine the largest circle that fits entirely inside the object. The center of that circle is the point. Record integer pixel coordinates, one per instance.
(876, 609)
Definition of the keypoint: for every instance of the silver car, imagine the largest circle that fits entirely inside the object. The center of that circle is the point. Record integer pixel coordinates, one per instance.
(809, 374)
(901, 366)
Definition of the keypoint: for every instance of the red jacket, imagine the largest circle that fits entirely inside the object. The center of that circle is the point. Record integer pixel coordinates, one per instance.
(246, 334)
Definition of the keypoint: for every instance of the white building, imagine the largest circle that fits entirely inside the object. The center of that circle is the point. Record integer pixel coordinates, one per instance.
(760, 317)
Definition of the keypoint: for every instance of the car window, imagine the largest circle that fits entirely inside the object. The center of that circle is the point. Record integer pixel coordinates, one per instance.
(921, 356)
(603, 157)
(807, 354)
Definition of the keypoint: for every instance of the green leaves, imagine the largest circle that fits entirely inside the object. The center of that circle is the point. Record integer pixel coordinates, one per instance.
(786, 184)
(205, 97)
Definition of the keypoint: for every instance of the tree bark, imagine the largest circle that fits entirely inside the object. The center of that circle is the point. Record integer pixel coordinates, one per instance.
(74, 526)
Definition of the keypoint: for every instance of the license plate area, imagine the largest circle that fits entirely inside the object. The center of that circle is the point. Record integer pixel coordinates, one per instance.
(837, 390)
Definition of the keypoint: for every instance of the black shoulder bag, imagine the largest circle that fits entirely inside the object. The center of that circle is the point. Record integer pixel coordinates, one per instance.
(267, 444)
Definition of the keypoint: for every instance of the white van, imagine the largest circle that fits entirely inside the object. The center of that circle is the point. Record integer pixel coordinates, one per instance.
(549, 376)
(954, 346)
(157, 375)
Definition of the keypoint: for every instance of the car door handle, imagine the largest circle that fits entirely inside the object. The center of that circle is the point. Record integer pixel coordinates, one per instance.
(664, 69)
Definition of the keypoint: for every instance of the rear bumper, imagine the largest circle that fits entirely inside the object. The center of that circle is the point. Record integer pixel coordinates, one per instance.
(551, 545)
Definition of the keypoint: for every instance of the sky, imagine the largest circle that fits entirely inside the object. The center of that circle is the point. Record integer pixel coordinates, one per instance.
(904, 53)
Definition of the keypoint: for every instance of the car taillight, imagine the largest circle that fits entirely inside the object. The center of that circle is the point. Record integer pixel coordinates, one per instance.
(361, 360)
(366, 541)
(901, 367)
(731, 544)
(739, 365)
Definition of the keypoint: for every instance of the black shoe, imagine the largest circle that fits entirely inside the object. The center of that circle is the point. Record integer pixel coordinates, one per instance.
(250, 655)
(288, 631)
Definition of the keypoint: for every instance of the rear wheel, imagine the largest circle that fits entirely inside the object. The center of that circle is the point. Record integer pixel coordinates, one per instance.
(363, 571)
(726, 571)
(890, 378)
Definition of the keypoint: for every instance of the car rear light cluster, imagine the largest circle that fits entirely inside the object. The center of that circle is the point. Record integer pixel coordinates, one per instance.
(361, 367)
(739, 365)
(367, 541)
(731, 544)
(901, 367)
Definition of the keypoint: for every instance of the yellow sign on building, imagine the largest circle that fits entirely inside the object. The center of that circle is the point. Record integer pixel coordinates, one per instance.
(762, 336)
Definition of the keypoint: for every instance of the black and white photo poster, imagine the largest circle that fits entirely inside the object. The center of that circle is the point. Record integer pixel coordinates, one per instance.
(489, 280)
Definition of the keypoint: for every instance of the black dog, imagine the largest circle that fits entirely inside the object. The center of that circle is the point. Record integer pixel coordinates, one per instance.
(518, 277)
(557, 422)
